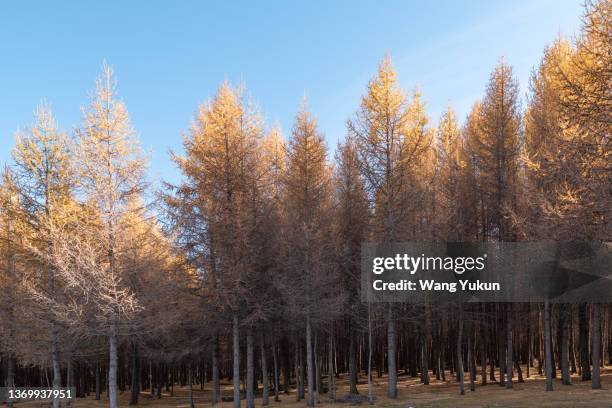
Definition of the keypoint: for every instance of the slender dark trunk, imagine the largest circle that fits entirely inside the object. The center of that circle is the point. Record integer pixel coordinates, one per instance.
(370, 396)
(55, 361)
(529, 342)
(135, 389)
(595, 344)
(309, 364)
(265, 397)
(151, 378)
(216, 386)
(190, 380)
(276, 376)
(548, 364)
(10, 375)
(583, 340)
(564, 316)
(286, 371)
(112, 367)
(424, 355)
(97, 379)
(299, 371)
(501, 346)
(250, 367)
(471, 362)
(391, 362)
(158, 379)
(317, 369)
(352, 363)
(509, 347)
(236, 352)
(483, 356)
(330, 365)
(459, 356)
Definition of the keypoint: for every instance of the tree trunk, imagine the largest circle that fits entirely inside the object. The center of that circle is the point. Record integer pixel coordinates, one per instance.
(309, 364)
(10, 375)
(509, 347)
(265, 397)
(317, 369)
(471, 361)
(519, 372)
(172, 370)
(55, 361)
(572, 342)
(483, 355)
(459, 351)
(299, 372)
(159, 379)
(97, 379)
(370, 396)
(286, 369)
(135, 391)
(190, 380)
(151, 378)
(595, 344)
(391, 366)
(501, 346)
(583, 340)
(330, 365)
(276, 376)
(216, 386)
(352, 363)
(564, 352)
(529, 342)
(112, 368)
(548, 347)
(250, 366)
(424, 355)
(236, 351)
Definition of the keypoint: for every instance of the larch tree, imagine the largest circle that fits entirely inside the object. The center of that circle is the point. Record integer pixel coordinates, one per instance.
(419, 157)
(9, 250)
(111, 176)
(496, 152)
(379, 129)
(267, 250)
(308, 279)
(351, 228)
(394, 148)
(456, 201)
(44, 182)
(260, 217)
(586, 102)
(548, 164)
(220, 167)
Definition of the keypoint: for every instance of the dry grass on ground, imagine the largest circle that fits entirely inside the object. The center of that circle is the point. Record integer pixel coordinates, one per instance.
(438, 394)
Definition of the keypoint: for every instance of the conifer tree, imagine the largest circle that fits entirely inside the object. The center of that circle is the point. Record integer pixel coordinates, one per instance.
(111, 176)
(451, 163)
(351, 228)
(380, 129)
(222, 170)
(393, 143)
(44, 182)
(497, 151)
(308, 279)
(9, 248)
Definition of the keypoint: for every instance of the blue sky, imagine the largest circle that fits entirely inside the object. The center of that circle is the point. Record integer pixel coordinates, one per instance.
(171, 56)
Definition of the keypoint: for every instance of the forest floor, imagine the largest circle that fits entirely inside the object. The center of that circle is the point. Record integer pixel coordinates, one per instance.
(411, 394)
